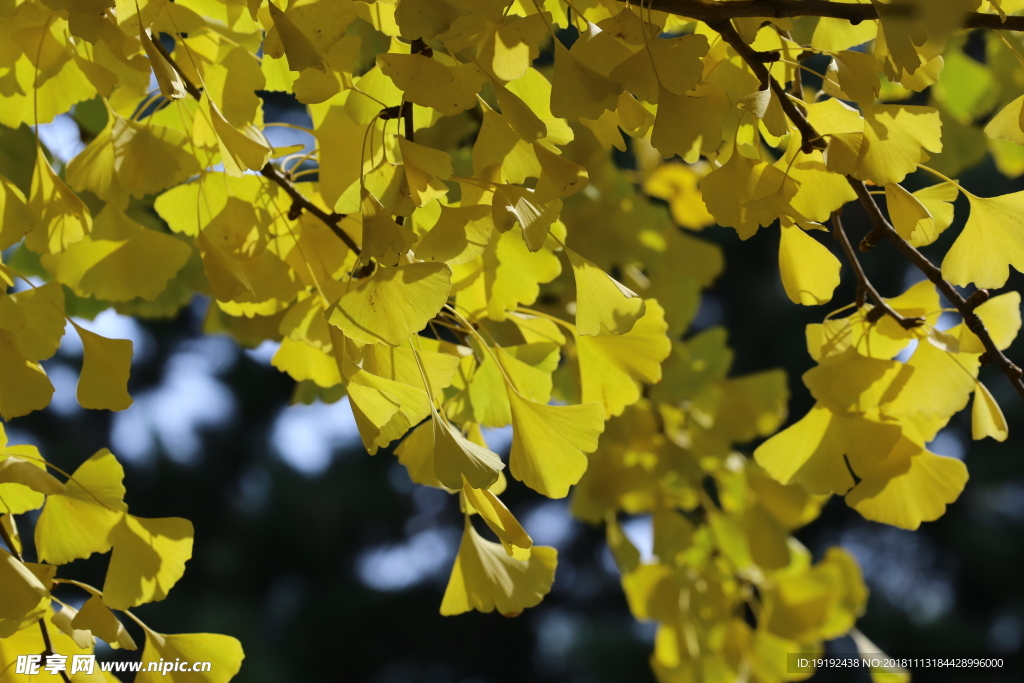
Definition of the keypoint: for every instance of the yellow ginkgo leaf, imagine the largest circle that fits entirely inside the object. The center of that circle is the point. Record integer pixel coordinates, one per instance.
(601, 300)
(96, 618)
(15, 470)
(810, 452)
(991, 242)
(938, 200)
(16, 220)
(224, 654)
(393, 303)
(1001, 315)
(416, 453)
(24, 386)
(626, 555)
(17, 498)
(425, 168)
(852, 383)
(62, 620)
(512, 204)
(747, 194)
(497, 517)
(460, 235)
(241, 149)
(577, 91)
(484, 578)
(986, 417)
(378, 416)
(1006, 125)
(383, 238)
(301, 52)
(670, 63)
(456, 457)
(687, 125)
(857, 73)
(168, 79)
(429, 83)
(42, 309)
(512, 44)
(22, 590)
(60, 217)
(677, 185)
(559, 177)
(909, 216)
(78, 522)
(120, 260)
(523, 120)
(897, 138)
(810, 272)
(910, 486)
(106, 365)
(612, 367)
(305, 362)
(549, 442)
(148, 559)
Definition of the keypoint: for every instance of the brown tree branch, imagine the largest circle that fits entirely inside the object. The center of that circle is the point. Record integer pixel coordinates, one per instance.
(269, 171)
(854, 13)
(865, 289)
(881, 223)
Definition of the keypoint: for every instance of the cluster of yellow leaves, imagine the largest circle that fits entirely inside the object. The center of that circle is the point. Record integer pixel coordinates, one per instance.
(81, 516)
(508, 272)
(866, 436)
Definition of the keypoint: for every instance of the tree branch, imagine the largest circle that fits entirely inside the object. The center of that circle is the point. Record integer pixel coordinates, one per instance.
(881, 223)
(854, 13)
(864, 287)
(270, 172)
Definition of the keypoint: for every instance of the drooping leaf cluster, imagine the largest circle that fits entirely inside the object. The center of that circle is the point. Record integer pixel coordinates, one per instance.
(457, 249)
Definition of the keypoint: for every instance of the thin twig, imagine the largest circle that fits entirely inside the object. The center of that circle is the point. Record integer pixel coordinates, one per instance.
(854, 13)
(881, 223)
(865, 289)
(269, 171)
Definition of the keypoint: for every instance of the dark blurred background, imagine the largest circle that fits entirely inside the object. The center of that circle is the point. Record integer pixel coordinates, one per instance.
(329, 564)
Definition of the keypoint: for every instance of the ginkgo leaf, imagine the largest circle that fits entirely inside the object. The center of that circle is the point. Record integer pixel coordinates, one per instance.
(24, 386)
(60, 217)
(626, 555)
(16, 220)
(498, 518)
(301, 52)
(22, 590)
(106, 364)
(1006, 125)
(305, 362)
(484, 578)
(383, 238)
(857, 74)
(910, 486)
(523, 120)
(120, 261)
(746, 194)
(512, 204)
(986, 417)
(78, 522)
(677, 185)
(393, 303)
(549, 442)
(241, 149)
(612, 367)
(17, 498)
(897, 138)
(810, 272)
(429, 83)
(909, 216)
(42, 309)
(96, 618)
(1002, 318)
(425, 168)
(168, 79)
(15, 470)
(460, 235)
(991, 242)
(687, 125)
(148, 559)
(559, 177)
(852, 383)
(938, 200)
(601, 300)
(62, 620)
(670, 63)
(577, 91)
(456, 457)
(512, 45)
(416, 453)
(224, 654)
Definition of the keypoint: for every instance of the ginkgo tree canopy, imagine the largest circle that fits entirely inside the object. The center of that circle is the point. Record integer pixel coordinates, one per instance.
(494, 222)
